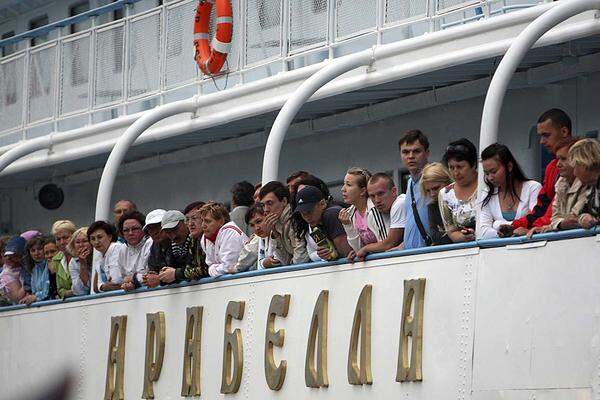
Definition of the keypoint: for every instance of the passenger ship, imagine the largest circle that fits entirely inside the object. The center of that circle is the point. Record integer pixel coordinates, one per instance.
(103, 100)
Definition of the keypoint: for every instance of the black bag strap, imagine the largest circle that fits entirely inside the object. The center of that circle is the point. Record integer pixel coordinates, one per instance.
(417, 217)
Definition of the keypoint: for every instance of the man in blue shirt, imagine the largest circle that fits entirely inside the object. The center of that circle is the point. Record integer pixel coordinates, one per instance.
(414, 151)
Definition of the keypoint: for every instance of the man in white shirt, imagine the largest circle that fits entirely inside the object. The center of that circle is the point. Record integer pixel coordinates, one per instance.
(384, 194)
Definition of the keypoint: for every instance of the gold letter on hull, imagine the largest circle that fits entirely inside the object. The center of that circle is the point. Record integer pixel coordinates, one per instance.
(412, 325)
(232, 348)
(317, 377)
(361, 325)
(155, 344)
(116, 359)
(190, 385)
(275, 375)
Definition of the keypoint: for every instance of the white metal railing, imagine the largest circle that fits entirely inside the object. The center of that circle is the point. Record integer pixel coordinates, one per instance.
(147, 59)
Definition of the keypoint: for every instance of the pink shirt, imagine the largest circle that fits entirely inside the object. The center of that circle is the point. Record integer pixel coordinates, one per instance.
(365, 234)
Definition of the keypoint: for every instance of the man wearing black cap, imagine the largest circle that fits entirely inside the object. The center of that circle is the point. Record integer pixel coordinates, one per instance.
(322, 219)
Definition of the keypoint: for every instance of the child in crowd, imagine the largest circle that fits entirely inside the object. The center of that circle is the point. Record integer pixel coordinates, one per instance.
(509, 194)
(258, 252)
(433, 180)
(11, 285)
(38, 267)
(222, 241)
(584, 156)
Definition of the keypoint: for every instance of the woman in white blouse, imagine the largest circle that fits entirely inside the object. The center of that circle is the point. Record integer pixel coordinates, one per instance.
(103, 237)
(509, 194)
(80, 266)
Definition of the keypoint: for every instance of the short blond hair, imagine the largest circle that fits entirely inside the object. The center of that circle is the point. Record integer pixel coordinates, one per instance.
(435, 172)
(585, 153)
(216, 211)
(63, 225)
(71, 244)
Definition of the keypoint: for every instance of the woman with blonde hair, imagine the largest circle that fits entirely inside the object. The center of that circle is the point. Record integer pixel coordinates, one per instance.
(80, 266)
(62, 230)
(434, 178)
(362, 222)
(584, 157)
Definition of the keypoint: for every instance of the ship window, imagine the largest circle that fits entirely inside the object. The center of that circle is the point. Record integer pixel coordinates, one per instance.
(77, 9)
(11, 48)
(35, 23)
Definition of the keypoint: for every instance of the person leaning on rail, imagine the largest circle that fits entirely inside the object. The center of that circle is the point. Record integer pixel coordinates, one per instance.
(552, 126)
(509, 194)
(136, 251)
(457, 201)
(275, 198)
(80, 266)
(62, 231)
(362, 221)
(258, 252)
(103, 238)
(392, 207)
(222, 240)
(584, 156)
(434, 178)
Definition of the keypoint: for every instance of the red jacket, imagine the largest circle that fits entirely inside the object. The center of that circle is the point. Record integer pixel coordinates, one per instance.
(542, 211)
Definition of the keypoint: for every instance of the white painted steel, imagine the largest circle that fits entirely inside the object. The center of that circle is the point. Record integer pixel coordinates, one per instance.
(521, 45)
(497, 323)
(344, 64)
(378, 76)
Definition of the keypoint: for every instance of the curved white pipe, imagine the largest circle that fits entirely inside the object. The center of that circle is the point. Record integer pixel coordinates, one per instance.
(513, 57)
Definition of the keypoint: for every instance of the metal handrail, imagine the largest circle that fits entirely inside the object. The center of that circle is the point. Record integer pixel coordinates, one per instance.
(117, 5)
(478, 244)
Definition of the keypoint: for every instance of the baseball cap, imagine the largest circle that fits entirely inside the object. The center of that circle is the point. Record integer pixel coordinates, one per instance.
(15, 246)
(171, 218)
(154, 217)
(307, 198)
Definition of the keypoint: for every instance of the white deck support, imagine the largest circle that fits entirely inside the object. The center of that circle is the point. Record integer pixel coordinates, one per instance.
(513, 57)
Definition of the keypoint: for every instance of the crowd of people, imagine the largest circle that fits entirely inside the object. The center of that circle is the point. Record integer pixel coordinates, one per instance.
(279, 224)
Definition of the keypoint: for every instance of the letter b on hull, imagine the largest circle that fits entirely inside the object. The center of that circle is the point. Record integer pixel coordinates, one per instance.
(115, 369)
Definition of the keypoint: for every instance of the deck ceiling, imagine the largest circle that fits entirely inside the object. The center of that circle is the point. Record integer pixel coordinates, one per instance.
(564, 52)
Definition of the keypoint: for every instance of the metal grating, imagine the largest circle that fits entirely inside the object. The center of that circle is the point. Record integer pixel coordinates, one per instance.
(74, 75)
(41, 84)
(180, 66)
(308, 23)
(263, 30)
(400, 10)
(11, 92)
(144, 55)
(108, 85)
(444, 4)
(353, 16)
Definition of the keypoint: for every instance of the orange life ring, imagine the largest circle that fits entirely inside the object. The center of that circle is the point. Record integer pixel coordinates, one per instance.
(210, 57)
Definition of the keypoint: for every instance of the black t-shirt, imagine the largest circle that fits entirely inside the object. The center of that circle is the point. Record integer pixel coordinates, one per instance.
(330, 222)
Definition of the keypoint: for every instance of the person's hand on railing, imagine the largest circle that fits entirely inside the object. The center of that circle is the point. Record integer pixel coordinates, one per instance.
(167, 274)
(151, 279)
(587, 221)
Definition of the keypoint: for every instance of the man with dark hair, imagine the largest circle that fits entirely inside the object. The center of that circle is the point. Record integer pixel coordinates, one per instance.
(294, 178)
(553, 125)
(414, 151)
(242, 197)
(275, 198)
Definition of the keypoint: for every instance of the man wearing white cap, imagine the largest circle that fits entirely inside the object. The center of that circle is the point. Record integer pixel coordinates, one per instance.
(182, 265)
(160, 246)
